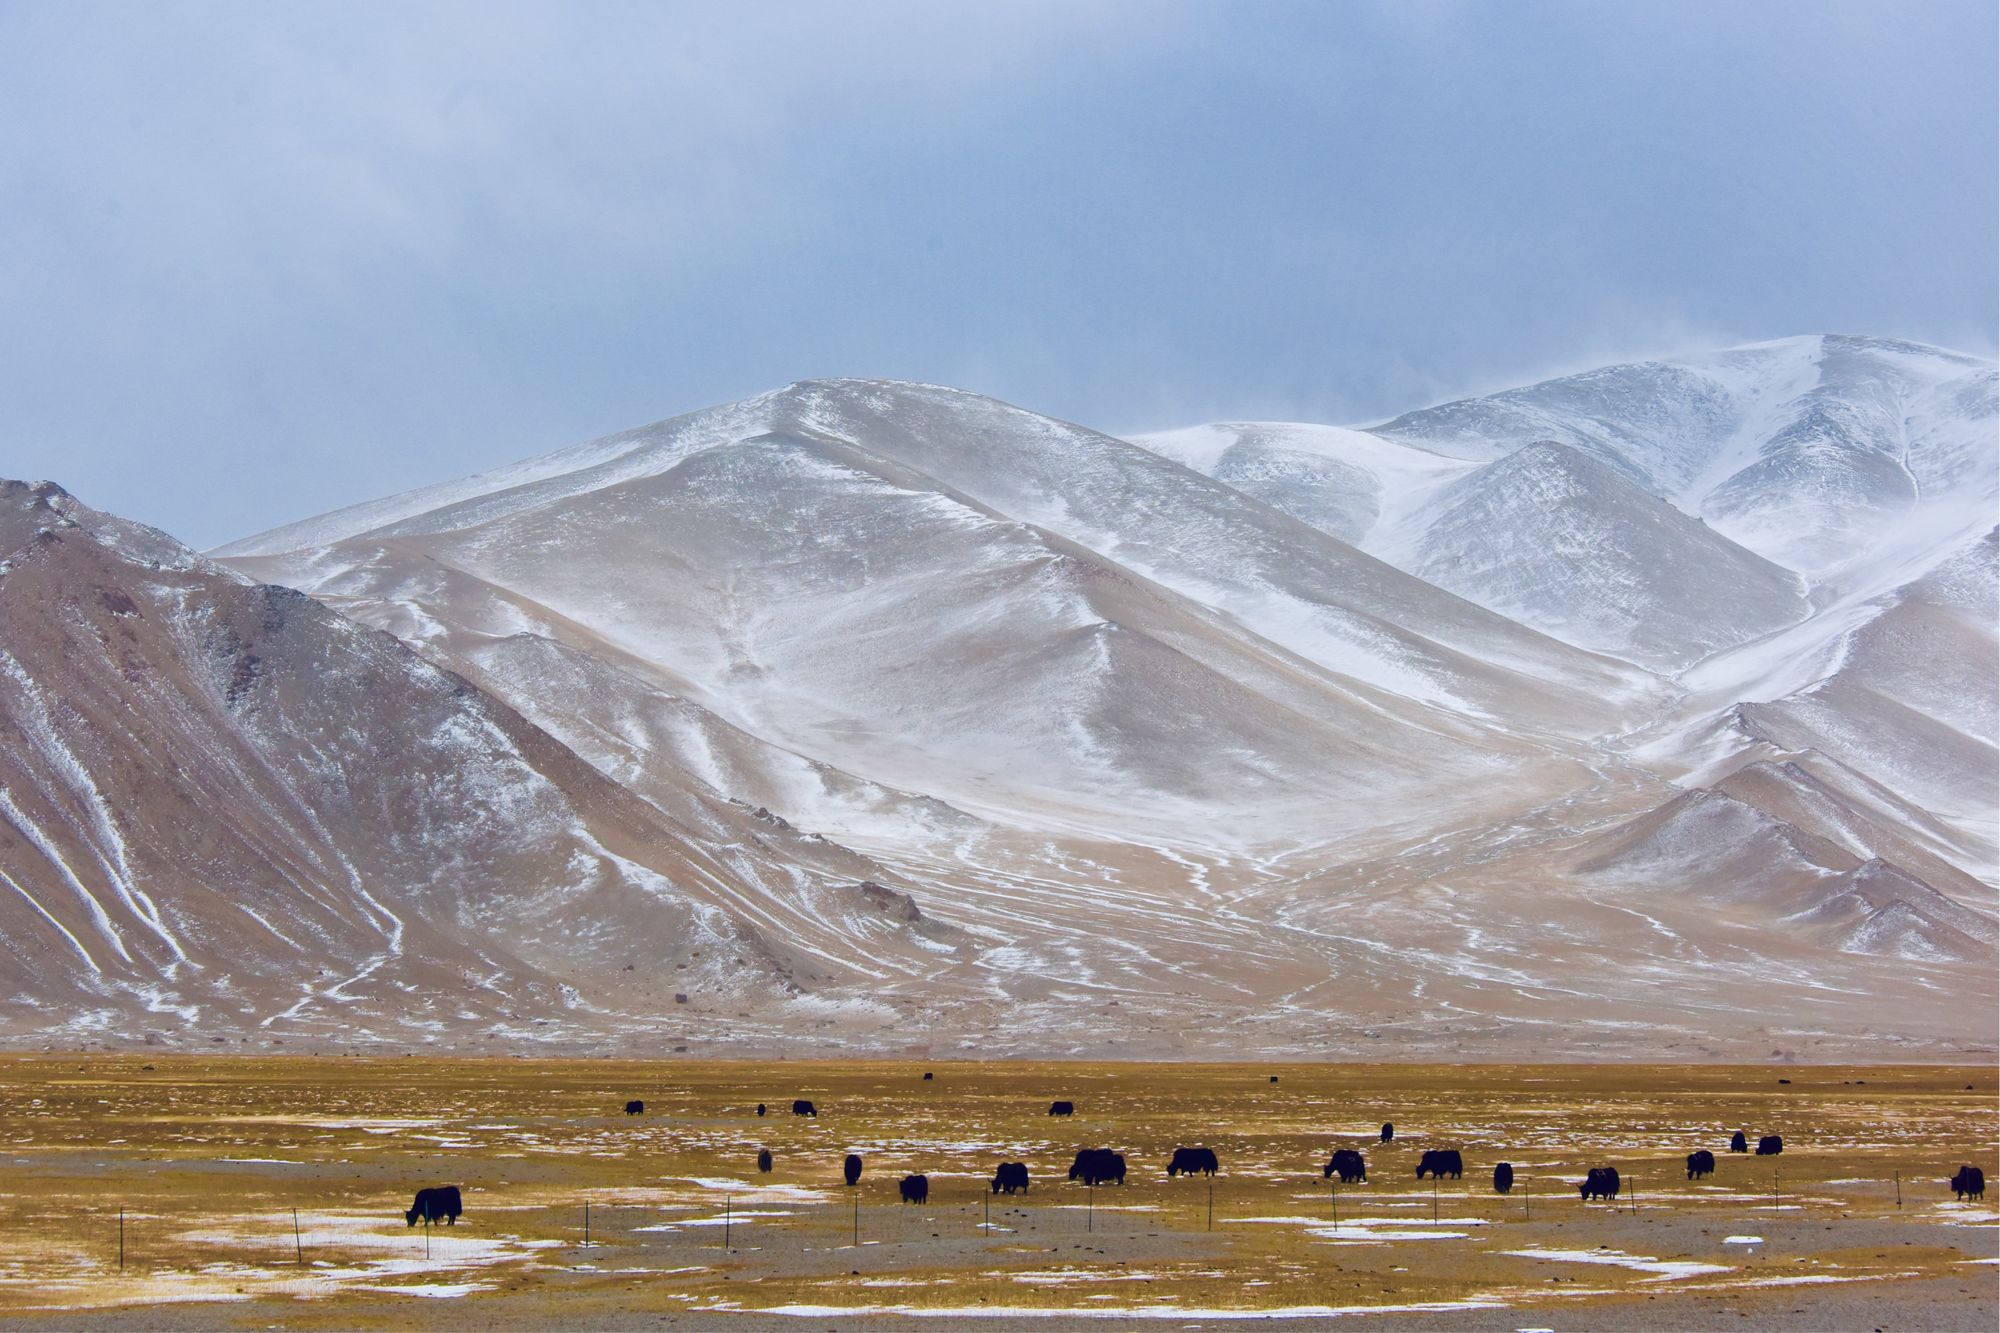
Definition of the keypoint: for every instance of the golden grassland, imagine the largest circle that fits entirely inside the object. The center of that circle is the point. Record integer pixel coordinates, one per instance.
(267, 1189)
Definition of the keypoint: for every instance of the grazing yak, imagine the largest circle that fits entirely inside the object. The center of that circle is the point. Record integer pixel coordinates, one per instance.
(1737, 1143)
(804, 1107)
(914, 1189)
(1503, 1178)
(927, 1076)
(635, 1108)
(1098, 1166)
(1701, 1164)
(1388, 1132)
(1062, 1108)
(1188, 1161)
(851, 1168)
(1348, 1164)
(764, 1159)
(1969, 1183)
(436, 1203)
(1441, 1162)
(1010, 1177)
(1770, 1145)
(1602, 1183)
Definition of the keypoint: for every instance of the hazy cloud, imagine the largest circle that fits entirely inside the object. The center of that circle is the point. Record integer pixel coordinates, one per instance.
(259, 260)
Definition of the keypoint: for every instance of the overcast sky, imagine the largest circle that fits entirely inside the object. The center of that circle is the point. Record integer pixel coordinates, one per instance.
(257, 261)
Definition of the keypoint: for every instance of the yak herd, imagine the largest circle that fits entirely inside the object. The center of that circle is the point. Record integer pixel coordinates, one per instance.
(1101, 1166)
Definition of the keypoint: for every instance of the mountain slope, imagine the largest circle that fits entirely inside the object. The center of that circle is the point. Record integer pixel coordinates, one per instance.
(224, 806)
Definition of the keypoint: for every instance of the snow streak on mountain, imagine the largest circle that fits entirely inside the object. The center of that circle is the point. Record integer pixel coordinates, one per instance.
(1650, 710)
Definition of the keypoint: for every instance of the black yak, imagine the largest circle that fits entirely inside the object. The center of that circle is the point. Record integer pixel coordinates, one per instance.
(1098, 1166)
(851, 1168)
(763, 1159)
(1348, 1164)
(1737, 1143)
(1969, 1183)
(436, 1203)
(914, 1189)
(1010, 1177)
(804, 1107)
(1388, 1132)
(1188, 1161)
(1701, 1164)
(1770, 1145)
(635, 1108)
(1602, 1183)
(1062, 1108)
(1441, 1162)
(760, 1108)
(927, 1076)
(1503, 1178)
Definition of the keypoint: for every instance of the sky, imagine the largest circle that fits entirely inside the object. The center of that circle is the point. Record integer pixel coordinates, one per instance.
(258, 261)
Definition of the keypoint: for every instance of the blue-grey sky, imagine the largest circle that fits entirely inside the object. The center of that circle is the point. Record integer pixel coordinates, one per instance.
(259, 260)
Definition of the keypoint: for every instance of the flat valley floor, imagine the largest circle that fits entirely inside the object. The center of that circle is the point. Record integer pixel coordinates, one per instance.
(269, 1192)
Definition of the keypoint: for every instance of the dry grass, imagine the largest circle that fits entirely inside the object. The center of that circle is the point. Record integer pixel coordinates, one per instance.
(208, 1158)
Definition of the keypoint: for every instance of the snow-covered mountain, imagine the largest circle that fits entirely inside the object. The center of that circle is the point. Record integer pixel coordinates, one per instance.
(1647, 709)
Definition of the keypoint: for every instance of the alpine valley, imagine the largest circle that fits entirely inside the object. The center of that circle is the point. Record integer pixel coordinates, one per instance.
(1649, 711)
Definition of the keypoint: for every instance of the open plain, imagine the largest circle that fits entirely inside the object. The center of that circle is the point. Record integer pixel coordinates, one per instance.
(239, 1192)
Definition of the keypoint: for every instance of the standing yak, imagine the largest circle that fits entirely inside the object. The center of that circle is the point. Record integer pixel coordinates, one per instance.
(1441, 1162)
(1700, 1164)
(1062, 1108)
(1388, 1132)
(1770, 1145)
(1969, 1183)
(635, 1108)
(1188, 1161)
(1348, 1164)
(436, 1203)
(804, 1107)
(915, 1189)
(764, 1159)
(1010, 1177)
(1738, 1143)
(1503, 1178)
(1602, 1183)
(1098, 1166)
(851, 1169)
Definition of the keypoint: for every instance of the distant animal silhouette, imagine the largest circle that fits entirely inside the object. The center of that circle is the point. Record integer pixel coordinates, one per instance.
(1503, 1178)
(1602, 1183)
(760, 1108)
(763, 1159)
(1274, 1078)
(803, 1107)
(1738, 1143)
(1189, 1161)
(927, 1076)
(435, 1203)
(1348, 1164)
(1098, 1166)
(1969, 1183)
(1062, 1108)
(1441, 1162)
(1700, 1164)
(635, 1108)
(914, 1189)
(1770, 1145)
(1388, 1132)
(1010, 1177)
(851, 1168)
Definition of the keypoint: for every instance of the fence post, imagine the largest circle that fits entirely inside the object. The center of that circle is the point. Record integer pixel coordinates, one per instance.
(121, 1238)
(586, 1224)
(1434, 1199)
(1899, 1191)
(1635, 1196)
(298, 1244)
(1090, 1206)
(1211, 1203)
(725, 1223)
(857, 1219)
(1336, 1205)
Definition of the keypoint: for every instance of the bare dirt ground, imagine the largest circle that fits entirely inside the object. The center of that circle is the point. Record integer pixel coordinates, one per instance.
(269, 1191)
